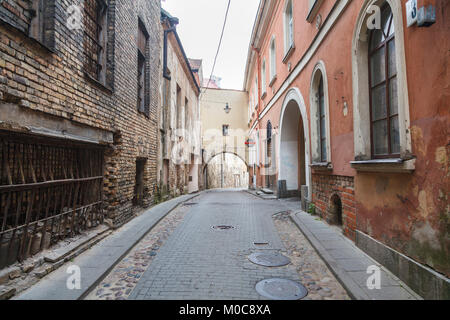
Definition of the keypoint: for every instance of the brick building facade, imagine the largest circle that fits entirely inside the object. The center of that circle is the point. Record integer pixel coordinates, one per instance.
(79, 108)
(357, 95)
(180, 158)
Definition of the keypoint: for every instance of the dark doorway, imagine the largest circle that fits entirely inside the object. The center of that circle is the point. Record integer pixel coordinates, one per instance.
(336, 210)
(139, 187)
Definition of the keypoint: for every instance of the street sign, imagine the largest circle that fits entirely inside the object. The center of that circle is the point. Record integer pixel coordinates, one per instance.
(250, 143)
(411, 12)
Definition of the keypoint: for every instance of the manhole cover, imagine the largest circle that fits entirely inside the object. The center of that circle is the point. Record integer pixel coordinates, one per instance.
(223, 227)
(269, 259)
(260, 243)
(281, 289)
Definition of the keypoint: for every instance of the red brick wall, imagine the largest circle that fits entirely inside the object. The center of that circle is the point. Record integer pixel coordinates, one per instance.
(325, 186)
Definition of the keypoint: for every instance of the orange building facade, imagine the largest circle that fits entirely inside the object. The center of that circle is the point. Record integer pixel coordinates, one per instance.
(349, 109)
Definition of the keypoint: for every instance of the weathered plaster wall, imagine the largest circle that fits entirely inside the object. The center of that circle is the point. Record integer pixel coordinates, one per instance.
(410, 211)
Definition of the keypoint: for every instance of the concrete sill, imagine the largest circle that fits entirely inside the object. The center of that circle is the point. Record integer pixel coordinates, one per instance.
(264, 95)
(323, 166)
(288, 53)
(274, 78)
(313, 11)
(98, 83)
(385, 165)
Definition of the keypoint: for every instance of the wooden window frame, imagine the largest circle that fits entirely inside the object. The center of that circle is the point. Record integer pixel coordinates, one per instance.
(37, 30)
(143, 100)
(320, 102)
(387, 79)
(98, 39)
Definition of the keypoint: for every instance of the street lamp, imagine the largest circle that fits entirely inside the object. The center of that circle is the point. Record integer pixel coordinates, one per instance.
(227, 108)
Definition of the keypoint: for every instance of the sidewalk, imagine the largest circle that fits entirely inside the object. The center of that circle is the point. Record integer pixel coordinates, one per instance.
(348, 262)
(100, 259)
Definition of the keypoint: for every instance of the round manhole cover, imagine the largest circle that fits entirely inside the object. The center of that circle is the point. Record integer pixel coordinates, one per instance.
(281, 289)
(223, 227)
(269, 259)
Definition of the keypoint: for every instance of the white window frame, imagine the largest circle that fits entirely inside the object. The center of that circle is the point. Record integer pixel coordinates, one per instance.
(288, 27)
(263, 78)
(316, 153)
(361, 110)
(273, 60)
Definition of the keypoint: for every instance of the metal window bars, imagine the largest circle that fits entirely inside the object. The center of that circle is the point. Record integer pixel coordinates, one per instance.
(49, 190)
(94, 12)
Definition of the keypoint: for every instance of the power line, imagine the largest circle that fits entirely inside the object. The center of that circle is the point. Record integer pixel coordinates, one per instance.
(218, 48)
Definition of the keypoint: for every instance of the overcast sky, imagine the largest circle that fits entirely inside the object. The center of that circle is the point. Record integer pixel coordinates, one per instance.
(200, 26)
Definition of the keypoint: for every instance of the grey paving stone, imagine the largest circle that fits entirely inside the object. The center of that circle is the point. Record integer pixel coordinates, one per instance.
(95, 262)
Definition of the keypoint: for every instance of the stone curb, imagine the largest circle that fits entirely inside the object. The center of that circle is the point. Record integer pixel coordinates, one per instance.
(53, 286)
(348, 283)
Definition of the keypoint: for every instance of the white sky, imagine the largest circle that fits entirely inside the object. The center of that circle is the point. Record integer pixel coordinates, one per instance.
(200, 26)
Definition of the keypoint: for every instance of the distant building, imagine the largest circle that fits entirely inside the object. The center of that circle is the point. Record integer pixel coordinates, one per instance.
(213, 82)
(224, 136)
(180, 153)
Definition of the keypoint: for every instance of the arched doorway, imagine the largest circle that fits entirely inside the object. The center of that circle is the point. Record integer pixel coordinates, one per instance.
(294, 174)
(335, 211)
(226, 170)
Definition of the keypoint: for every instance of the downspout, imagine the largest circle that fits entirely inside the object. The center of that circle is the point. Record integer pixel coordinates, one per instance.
(166, 33)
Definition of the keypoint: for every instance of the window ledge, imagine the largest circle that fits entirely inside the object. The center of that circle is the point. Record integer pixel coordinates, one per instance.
(274, 78)
(313, 11)
(396, 165)
(325, 166)
(288, 53)
(264, 95)
(98, 83)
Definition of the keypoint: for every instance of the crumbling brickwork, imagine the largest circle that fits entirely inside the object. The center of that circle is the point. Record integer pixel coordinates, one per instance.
(46, 78)
(332, 193)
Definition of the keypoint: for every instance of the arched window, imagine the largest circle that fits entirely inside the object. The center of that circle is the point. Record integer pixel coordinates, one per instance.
(269, 139)
(322, 121)
(320, 130)
(383, 88)
(381, 121)
(288, 26)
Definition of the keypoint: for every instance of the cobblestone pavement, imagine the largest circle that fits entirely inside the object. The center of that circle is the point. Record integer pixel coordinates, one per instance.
(119, 284)
(313, 273)
(199, 262)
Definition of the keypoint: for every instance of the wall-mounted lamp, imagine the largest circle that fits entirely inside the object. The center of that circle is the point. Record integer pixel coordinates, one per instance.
(227, 108)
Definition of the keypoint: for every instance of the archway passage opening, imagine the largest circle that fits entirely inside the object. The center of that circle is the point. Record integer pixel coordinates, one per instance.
(292, 153)
(226, 171)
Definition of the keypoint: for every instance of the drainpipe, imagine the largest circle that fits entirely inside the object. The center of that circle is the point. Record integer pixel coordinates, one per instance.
(166, 33)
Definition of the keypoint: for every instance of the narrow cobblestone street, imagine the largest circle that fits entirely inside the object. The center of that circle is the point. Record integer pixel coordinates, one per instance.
(197, 261)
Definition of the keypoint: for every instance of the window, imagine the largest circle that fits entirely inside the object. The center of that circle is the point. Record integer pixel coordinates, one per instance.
(273, 61)
(95, 39)
(263, 77)
(37, 21)
(381, 118)
(178, 111)
(225, 129)
(257, 90)
(383, 89)
(320, 128)
(269, 140)
(165, 102)
(322, 121)
(143, 101)
(186, 113)
(288, 26)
